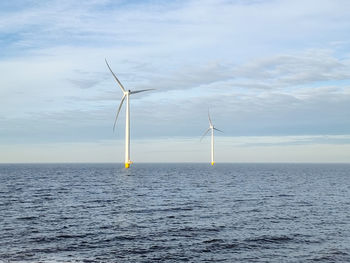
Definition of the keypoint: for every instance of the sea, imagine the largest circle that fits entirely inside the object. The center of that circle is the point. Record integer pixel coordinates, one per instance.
(175, 213)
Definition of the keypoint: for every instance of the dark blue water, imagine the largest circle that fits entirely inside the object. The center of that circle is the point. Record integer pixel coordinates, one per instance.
(175, 213)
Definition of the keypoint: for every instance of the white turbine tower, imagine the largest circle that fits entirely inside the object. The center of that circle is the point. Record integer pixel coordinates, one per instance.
(126, 94)
(212, 128)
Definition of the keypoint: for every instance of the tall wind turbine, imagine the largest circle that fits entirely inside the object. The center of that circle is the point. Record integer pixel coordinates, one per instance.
(211, 128)
(126, 94)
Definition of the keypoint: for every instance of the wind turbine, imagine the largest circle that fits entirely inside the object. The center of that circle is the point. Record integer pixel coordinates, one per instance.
(126, 94)
(212, 128)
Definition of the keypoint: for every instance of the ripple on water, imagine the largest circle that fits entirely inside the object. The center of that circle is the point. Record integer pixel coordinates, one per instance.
(174, 213)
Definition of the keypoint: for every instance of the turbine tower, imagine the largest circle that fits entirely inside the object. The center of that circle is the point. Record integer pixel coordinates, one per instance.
(211, 128)
(126, 94)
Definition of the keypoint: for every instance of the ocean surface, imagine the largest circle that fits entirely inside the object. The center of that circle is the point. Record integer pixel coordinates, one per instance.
(175, 213)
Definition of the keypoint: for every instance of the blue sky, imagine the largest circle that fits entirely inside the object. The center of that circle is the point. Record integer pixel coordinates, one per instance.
(275, 75)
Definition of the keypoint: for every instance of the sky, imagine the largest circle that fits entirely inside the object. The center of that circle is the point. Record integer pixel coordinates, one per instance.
(275, 76)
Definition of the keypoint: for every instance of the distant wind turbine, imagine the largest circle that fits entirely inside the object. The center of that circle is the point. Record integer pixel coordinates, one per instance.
(126, 94)
(212, 128)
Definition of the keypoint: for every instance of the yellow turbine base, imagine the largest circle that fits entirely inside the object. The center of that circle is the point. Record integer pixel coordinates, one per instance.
(127, 165)
(212, 163)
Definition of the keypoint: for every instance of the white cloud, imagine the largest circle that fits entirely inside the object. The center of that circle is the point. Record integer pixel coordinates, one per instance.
(239, 149)
(263, 68)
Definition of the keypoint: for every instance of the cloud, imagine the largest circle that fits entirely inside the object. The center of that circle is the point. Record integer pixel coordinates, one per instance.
(253, 141)
(297, 69)
(179, 105)
(262, 67)
(171, 28)
(240, 149)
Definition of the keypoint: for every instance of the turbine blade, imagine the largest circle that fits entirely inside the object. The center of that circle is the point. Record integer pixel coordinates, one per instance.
(138, 91)
(209, 118)
(120, 85)
(217, 129)
(206, 132)
(120, 106)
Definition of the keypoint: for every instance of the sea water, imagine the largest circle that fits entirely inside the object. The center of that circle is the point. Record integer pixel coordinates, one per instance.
(175, 213)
